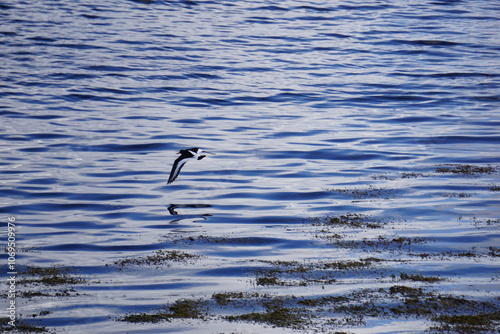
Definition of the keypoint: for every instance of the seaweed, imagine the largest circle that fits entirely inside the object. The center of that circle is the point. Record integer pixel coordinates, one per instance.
(465, 169)
(180, 309)
(160, 257)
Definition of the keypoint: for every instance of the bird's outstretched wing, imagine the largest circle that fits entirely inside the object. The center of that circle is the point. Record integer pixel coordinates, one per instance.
(176, 168)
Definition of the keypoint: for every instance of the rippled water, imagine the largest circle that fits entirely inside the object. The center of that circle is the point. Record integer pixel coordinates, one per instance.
(313, 108)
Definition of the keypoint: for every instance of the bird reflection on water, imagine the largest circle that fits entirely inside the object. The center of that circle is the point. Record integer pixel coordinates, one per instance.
(173, 208)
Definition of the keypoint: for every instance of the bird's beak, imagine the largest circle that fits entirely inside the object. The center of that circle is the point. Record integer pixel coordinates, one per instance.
(209, 152)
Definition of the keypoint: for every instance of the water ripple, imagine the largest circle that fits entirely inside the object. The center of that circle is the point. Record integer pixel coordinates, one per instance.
(313, 110)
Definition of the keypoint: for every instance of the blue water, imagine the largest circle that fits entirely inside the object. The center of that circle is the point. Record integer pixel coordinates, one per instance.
(313, 108)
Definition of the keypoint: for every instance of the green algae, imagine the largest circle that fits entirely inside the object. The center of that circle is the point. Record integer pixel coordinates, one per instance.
(466, 324)
(349, 220)
(465, 169)
(327, 313)
(48, 276)
(420, 278)
(21, 327)
(397, 301)
(180, 309)
(323, 300)
(494, 251)
(381, 242)
(456, 195)
(48, 282)
(158, 258)
(295, 273)
(237, 297)
(277, 315)
(365, 193)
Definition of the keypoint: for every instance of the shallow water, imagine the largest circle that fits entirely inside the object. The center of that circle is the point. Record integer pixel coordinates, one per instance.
(312, 108)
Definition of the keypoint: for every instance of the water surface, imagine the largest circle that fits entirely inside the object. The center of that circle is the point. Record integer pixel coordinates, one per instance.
(313, 108)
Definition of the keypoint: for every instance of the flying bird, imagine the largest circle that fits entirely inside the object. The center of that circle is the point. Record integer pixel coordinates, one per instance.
(194, 152)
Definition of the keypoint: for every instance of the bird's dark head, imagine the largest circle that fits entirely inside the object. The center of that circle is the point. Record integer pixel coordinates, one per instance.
(187, 151)
(194, 149)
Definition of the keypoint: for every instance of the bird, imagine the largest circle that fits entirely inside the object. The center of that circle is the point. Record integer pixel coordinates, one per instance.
(194, 152)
